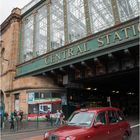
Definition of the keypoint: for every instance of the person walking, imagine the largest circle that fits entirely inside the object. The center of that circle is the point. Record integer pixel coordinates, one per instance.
(62, 116)
(57, 118)
(20, 115)
(12, 121)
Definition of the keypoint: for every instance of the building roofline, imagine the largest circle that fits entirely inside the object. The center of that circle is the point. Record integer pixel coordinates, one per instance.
(15, 15)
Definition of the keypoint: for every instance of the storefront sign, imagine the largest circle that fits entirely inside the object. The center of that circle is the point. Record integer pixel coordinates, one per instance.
(104, 40)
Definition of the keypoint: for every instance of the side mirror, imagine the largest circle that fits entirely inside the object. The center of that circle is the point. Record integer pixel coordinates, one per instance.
(98, 124)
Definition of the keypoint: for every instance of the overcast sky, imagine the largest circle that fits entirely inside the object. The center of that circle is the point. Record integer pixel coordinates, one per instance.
(7, 5)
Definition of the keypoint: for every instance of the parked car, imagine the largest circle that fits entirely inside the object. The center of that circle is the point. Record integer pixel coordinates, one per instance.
(104, 123)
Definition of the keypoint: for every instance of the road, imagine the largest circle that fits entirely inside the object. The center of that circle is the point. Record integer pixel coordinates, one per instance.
(38, 135)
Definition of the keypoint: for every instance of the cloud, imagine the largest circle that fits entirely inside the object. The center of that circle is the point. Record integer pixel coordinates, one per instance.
(6, 6)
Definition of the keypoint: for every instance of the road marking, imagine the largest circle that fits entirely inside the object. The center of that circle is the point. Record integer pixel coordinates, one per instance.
(135, 125)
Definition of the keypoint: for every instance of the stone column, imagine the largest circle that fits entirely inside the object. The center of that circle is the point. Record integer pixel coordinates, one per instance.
(34, 33)
(87, 17)
(48, 6)
(115, 11)
(65, 21)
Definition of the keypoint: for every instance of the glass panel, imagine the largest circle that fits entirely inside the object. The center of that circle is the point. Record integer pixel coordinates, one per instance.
(112, 116)
(101, 15)
(28, 38)
(128, 9)
(76, 20)
(41, 31)
(57, 24)
(101, 118)
(81, 118)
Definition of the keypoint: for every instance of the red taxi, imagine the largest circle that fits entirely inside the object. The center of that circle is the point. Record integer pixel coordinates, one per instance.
(104, 123)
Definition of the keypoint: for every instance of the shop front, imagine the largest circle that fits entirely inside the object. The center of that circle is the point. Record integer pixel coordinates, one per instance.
(43, 103)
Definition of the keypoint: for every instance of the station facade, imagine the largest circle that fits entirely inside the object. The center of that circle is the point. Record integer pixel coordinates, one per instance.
(77, 53)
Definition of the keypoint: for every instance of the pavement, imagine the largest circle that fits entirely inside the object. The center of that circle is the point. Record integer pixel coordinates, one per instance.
(26, 127)
(34, 138)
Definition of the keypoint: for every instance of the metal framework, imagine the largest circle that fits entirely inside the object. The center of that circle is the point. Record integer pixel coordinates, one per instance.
(55, 23)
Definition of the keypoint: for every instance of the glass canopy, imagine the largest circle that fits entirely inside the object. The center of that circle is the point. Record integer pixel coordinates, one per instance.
(51, 26)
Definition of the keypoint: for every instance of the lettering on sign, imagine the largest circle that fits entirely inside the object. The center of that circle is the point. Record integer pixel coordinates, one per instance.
(117, 35)
(66, 54)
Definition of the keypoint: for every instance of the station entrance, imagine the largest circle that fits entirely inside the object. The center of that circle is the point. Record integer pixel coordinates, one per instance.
(119, 89)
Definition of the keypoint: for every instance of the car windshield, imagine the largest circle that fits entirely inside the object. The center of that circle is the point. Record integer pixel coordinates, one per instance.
(81, 118)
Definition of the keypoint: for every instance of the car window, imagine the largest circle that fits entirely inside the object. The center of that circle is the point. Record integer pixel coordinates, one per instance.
(101, 118)
(120, 116)
(81, 118)
(112, 116)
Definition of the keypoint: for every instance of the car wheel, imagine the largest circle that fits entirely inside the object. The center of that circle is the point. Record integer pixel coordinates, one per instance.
(125, 137)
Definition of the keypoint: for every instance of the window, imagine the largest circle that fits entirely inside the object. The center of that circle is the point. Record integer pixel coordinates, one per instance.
(112, 117)
(120, 116)
(57, 24)
(128, 9)
(17, 96)
(101, 15)
(101, 118)
(81, 118)
(41, 31)
(76, 20)
(27, 30)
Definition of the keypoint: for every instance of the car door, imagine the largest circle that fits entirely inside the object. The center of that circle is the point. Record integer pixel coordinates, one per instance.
(123, 124)
(99, 132)
(113, 123)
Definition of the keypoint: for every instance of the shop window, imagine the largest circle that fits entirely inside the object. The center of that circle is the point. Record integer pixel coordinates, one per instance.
(40, 102)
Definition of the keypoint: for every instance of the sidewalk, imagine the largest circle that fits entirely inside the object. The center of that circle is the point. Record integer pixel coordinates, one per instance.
(34, 138)
(27, 127)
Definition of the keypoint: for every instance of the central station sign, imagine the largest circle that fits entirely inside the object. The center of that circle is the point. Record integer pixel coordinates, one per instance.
(100, 41)
(92, 45)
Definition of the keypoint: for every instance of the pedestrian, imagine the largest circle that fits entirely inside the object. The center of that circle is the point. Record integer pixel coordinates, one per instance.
(48, 115)
(15, 113)
(6, 115)
(16, 117)
(62, 116)
(57, 118)
(20, 115)
(12, 121)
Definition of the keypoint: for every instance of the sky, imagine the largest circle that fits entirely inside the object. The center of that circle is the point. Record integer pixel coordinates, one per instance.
(6, 6)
